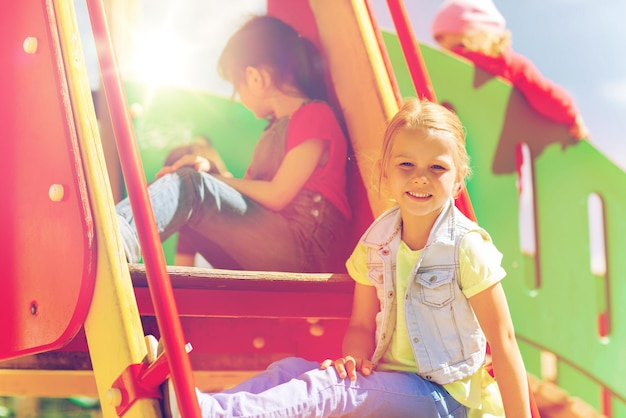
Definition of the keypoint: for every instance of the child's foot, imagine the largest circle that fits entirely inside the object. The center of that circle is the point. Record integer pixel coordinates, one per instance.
(130, 241)
(170, 406)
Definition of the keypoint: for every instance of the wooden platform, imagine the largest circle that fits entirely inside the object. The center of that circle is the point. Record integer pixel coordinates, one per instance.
(237, 322)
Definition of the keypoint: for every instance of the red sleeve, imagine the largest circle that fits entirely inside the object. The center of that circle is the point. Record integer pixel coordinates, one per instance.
(546, 97)
(315, 120)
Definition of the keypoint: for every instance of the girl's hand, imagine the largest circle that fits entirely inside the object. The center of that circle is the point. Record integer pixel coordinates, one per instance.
(190, 160)
(348, 366)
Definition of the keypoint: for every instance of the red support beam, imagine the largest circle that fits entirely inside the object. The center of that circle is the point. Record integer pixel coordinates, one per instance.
(136, 184)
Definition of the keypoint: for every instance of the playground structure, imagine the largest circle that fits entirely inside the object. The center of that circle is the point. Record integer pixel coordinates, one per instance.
(77, 327)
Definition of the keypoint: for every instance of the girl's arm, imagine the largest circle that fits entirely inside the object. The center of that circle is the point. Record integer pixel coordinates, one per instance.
(492, 311)
(296, 168)
(359, 340)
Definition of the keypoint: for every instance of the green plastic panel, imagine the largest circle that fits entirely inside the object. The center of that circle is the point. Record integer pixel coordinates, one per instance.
(554, 297)
(573, 381)
(618, 409)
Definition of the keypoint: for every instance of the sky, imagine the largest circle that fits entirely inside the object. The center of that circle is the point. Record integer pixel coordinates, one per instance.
(575, 43)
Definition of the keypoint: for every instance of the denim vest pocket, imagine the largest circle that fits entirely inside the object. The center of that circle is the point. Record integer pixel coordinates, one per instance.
(375, 273)
(436, 287)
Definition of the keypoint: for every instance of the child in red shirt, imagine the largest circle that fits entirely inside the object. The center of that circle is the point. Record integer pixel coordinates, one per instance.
(476, 30)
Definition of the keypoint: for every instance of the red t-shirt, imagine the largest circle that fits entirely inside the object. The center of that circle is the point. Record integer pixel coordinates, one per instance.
(546, 97)
(316, 120)
(313, 120)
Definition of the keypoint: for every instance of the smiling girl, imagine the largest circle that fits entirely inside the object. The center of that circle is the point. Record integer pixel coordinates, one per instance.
(427, 300)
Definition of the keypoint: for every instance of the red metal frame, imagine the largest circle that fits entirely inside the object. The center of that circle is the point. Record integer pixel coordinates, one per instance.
(158, 279)
(411, 49)
(138, 381)
(141, 381)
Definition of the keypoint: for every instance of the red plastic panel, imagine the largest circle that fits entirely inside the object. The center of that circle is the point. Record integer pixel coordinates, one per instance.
(47, 254)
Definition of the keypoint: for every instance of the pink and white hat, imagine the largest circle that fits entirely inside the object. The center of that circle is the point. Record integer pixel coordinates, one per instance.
(458, 16)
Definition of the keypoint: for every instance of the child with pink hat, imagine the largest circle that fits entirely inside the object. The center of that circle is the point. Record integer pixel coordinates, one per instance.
(476, 30)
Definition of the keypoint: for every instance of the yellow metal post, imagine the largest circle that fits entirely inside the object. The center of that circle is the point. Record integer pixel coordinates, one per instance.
(113, 327)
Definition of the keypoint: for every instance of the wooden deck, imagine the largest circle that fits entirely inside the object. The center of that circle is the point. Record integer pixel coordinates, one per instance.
(237, 322)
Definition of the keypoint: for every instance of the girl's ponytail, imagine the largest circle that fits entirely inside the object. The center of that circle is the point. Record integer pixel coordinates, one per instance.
(270, 42)
(309, 70)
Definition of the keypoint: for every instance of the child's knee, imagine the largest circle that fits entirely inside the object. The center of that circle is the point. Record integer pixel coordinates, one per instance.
(187, 172)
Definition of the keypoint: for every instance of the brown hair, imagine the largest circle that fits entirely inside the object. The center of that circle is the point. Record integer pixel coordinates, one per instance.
(265, 41)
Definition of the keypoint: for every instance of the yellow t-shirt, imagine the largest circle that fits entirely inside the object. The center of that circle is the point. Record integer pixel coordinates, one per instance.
(480, 265)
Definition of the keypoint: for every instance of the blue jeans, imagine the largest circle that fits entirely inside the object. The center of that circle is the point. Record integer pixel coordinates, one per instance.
(294, 387)
(307, 236)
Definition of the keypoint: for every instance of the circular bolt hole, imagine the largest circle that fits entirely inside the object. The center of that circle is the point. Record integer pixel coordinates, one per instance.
(114, 396)
(258, 343)
(56, 192)
(316, 330)
(30, 45)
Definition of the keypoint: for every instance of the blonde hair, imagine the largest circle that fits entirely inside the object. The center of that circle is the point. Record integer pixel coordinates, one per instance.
(429, 117)
(486, 42)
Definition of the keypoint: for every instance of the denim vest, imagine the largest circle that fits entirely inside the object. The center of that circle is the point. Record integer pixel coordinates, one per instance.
(446, 338)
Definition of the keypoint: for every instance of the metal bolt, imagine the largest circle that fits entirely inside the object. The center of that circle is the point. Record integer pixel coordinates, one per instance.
(316, 330)
(114, 396)
(30, 45)
(258, 343)
(56, 192)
